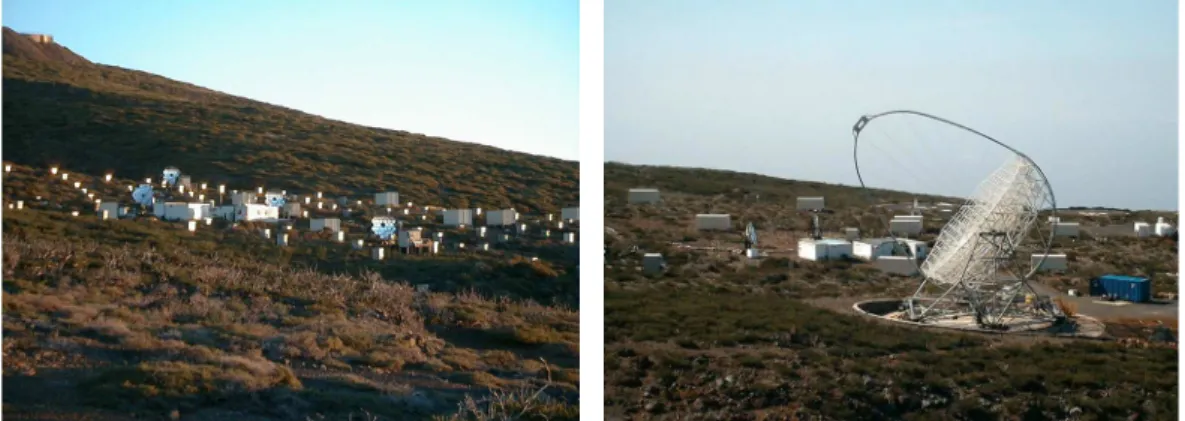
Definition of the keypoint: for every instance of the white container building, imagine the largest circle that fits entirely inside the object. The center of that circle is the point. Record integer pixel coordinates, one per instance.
(642, 196)
(1164, 229)
(652, 263)
(458, 217)
(256, 212)
(570, 214)
(386, 199)
(293, 210)
(905, 227)
(851, 233)
(1065, 229)
(114, 209)
(713, 221)
(810, 203)
(871, 249)
(825, 249)
(1142, 229)
(1053, 262)
(320, 224)
(499, 218)
(918, 249)
(184, 211)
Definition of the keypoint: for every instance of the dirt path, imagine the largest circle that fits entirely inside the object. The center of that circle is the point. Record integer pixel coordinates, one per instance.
(1104, 311)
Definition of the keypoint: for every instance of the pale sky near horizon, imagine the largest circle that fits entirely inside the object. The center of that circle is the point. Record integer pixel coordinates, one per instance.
(1088, 88)
(499, 73)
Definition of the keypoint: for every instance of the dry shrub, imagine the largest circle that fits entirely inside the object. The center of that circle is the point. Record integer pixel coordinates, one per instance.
(500, 358)
(108, 329)
(215, 378)
(480, 379)
(521, 403)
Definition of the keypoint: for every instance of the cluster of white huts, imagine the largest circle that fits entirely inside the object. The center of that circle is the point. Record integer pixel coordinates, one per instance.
(1159, 229)
(184, 202)
(900, 253)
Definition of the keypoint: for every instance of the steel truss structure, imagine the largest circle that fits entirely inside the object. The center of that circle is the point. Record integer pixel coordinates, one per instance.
(972, 269)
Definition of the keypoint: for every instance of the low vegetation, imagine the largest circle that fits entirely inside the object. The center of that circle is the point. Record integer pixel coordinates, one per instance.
(162, 324)
(717, 335)
(140, 318)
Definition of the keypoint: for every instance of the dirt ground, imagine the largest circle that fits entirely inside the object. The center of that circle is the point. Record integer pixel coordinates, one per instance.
(1091, 306)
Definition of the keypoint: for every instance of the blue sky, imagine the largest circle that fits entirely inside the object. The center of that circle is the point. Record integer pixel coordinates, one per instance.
(502, 73)
(1087, 88)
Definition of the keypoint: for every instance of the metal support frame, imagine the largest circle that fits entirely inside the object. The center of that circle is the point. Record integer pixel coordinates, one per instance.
(979, 241)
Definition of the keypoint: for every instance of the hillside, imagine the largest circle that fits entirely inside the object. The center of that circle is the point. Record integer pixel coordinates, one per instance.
(736, 185)
(125, 319)
(133, 318)
(716, 335)
(139, 318)
(62, 109)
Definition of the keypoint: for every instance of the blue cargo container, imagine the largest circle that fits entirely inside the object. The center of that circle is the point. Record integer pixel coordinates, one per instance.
(1125, 288)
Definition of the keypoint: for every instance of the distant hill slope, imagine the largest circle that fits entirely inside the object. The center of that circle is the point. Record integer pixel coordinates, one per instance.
(61, 108)
(619, 178)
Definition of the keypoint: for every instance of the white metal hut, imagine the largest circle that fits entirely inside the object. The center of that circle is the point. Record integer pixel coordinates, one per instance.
(114, 209)
(389, 198)
(570, 214)
(917, 249)
(1164, 229)
(652, 263)
(1065, 229)
(824, 249)
(713, 221)
(320, 224)
(1053, 262)
(500, 218)
(184, 211)
(872, 248)
(1142, 229)
(458, 217)
(256, 212)
(905, 225)
(809, 203)
(293, 210)
(643, 195)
